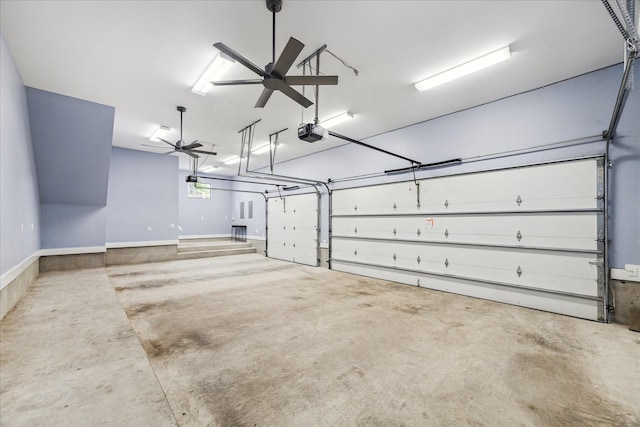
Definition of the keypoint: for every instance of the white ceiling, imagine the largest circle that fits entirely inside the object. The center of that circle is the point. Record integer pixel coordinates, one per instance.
(142, 57)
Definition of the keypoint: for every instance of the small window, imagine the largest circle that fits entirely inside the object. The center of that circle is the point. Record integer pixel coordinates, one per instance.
(241, 210)
(250, 209)
(199, 190)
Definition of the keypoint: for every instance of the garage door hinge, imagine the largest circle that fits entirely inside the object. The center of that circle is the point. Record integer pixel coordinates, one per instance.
(519, 200)
(519, 271)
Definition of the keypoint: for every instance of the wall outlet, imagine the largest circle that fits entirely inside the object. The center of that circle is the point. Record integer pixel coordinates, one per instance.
(32, 227)
(148, 228)
(202, 218)
(21, 227)
(172, 226)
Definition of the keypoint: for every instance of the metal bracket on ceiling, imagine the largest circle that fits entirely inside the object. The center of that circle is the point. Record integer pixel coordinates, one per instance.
(273, 147)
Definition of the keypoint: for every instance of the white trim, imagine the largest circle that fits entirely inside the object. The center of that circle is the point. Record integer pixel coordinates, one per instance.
(625, 275)
(16, 271)
(256, 238)
(204, 236)
(73, 251)
(118, 245)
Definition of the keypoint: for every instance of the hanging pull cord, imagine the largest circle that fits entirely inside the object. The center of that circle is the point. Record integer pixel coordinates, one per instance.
(355, 70)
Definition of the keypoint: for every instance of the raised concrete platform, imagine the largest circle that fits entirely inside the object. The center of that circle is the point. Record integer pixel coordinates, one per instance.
(203, 248)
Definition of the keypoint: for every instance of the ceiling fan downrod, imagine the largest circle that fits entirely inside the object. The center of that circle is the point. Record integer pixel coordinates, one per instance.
(274, 6)
(182, 110)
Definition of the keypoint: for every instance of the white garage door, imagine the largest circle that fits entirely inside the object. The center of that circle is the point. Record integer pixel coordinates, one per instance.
(292, 223)
(530, 236)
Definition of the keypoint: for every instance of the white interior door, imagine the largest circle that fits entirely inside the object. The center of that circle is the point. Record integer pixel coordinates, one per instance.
(531, 236)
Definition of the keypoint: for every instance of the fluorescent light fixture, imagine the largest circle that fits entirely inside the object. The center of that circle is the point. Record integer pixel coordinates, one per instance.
(340, 118)
(232, 160)
(161, 132)
(218, 67)
(264, 149)
(208, 168)
(464, 69)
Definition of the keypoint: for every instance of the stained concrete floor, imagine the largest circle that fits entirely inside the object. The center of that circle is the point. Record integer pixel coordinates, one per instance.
(247, 340)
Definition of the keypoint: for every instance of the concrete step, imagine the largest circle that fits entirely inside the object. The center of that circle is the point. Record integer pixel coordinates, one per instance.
(210, 246)
(216, 253)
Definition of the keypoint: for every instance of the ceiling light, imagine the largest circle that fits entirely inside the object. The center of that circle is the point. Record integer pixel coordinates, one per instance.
(464, 69)
(208, 168)
(232, 160)
(218, 67)
(265, 148)
(340, 118)
(161, 132)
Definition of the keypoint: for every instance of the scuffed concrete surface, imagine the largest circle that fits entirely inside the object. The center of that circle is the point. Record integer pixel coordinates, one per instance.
(247, 340)
(69, 357)
(251, 341)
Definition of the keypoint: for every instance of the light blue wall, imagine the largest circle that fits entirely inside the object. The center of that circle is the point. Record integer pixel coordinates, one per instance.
(255, 225)
(575, 108)
(72, 226)
(72, 147)
(204, 217)
(18, 179)
(143, 192)
(72, 142)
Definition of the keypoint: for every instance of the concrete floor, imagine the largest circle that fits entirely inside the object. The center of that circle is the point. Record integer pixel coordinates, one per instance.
(246, 340)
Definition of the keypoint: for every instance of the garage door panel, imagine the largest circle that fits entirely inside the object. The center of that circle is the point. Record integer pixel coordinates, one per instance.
(569, 185)
(576, 231)
(534, 228)
(577, 273)
(556, 303)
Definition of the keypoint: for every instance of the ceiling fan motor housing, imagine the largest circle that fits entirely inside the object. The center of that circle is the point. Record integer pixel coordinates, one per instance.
(274, 5)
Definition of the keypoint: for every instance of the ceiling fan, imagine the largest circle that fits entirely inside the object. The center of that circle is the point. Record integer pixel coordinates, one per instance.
(180, 147)
(274, 74)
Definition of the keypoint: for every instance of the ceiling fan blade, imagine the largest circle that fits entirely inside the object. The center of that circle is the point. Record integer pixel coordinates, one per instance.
(311, 80)
(191, 146)
(167, 142)
(241, 59)
(288, 55)
(211, 153)
(237, 82)
(169, 152)
(296, 96)
(189, 153)
(264, 97)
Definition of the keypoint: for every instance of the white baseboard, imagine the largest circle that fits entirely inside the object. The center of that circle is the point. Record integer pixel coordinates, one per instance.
(119, 245)
(626, 275)
(16, 271)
